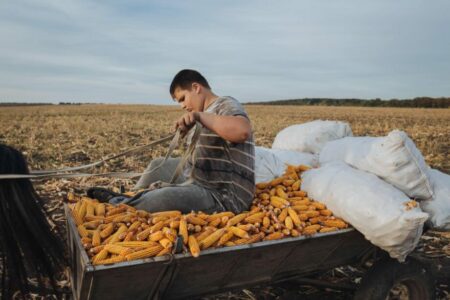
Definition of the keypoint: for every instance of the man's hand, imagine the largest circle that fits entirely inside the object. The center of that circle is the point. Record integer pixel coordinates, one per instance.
(187, 121)
(155, 185)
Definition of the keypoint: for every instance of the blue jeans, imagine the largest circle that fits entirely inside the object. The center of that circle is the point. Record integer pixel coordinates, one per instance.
(183, 197)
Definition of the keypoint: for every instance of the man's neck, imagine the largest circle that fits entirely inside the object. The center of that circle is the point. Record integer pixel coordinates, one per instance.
(209, 99)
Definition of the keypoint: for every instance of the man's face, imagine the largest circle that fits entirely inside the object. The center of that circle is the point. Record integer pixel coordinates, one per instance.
(190, 100)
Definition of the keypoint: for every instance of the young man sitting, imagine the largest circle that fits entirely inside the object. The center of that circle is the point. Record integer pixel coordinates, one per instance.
(220, 174)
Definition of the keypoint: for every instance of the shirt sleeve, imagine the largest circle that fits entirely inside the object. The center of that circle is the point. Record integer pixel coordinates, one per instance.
(231, 107)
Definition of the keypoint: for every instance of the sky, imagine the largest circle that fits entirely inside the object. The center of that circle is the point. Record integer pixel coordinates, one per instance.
(129, 51)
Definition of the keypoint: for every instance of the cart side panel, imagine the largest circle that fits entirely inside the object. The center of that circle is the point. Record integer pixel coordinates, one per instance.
(324, 253)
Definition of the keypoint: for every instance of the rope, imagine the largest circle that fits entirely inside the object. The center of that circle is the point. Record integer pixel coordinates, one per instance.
(55, 173)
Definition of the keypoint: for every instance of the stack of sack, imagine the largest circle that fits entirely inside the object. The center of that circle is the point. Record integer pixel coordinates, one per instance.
(371, 182)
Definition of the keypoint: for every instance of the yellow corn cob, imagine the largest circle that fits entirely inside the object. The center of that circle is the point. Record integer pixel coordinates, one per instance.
(115, 237)
(116, 249)
(266, 222)
(326, 212)
(212, 238)
(107, 231)
(262, 185)
(129, 236)
(282, 216)
(82, 231)
(300, 194)
(256, 217)
(204, 234)
(278, 202)
(295, 233)
(294, 216)
(215, 223)
(195, 220)
(328, 229)
(175, 224)
(319, 205)
(237, 219)
(97, 249)
(302, 168)
(154, 237)
(167, 214)
(156, 220)
(274, 236)
(86, 240)
(148, 252)
(143, 234)
(92, 224)
(157, 227)
(281, 193)
(314, 227)
(164, 251)
(90, 209)
(82, 209)
(225, 238)
(335, 223)
(135, 225)
(100, 256)
(193, 246)
(182, 230)
(89, 218)
(288, 182)
(276, 181)
(256, 238)
(289, 224)
(300, 208)
(286, 232)
(142, 213)
(96, 240)
(125, 218)
(309, 231)
(112, 260)
(264, 196)
(239, 232)
(166, 243)
(224, 221)
(116, 211)
(296, 185)
(312, 213)
(230, 244)
(169, 234)
(246, 227)
(303, 217)
(212, 217)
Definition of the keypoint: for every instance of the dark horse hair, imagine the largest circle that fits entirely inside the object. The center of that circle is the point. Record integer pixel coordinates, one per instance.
(28, 246)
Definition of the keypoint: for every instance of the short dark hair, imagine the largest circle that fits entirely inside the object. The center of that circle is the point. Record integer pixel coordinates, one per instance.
(185, 78)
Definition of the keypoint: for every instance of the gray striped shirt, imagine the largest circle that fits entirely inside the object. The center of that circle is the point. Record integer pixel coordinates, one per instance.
(226, 167)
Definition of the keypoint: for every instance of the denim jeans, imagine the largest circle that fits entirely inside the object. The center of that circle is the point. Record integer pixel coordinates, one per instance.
(183, 197)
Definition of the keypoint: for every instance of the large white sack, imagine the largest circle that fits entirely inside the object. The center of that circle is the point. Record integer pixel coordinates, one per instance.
(267, 165)
(296, 158)
(310, 137)
(439, 207)
(372, 206)
(393, 158)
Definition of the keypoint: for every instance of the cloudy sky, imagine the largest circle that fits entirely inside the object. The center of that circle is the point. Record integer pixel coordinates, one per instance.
(128, 51)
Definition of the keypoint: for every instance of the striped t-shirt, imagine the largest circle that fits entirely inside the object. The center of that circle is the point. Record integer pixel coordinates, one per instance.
(226, 167)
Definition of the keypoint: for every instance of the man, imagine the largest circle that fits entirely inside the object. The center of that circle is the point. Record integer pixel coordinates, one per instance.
(220, 174)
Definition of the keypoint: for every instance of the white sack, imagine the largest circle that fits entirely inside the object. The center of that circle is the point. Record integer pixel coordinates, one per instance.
(310, 137)
(372, 206)
(439, 206)
(393, 158)
(296, 158)
(267, 165)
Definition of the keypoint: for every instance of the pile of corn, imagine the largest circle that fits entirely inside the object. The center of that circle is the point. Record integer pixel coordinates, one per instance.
(112, 234)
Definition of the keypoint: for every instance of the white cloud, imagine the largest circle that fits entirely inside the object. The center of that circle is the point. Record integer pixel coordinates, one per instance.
(254, 50)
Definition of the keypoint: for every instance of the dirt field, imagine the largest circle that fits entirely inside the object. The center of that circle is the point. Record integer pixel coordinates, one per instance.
(58, 136)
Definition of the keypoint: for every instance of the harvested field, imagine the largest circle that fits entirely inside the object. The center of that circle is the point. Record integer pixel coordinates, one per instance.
(60, 136)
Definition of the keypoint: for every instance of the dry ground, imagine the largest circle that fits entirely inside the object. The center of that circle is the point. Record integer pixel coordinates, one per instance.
(58, 136)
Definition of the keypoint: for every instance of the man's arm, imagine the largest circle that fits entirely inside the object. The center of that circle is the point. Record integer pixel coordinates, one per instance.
(235, 129)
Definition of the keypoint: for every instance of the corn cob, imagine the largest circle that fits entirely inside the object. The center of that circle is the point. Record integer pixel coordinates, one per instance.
(335, 223)
(282, 216)
(96, 240)
(289, 224)
(274, 236)
(328, 229)
(225, 238)
(212, 238)
(100, 256)
(82, 231)
(278, 202)
(166, 243)
(280, 193)
(296, 185)
(237, 219)
(239, 232)
(137, 244)
(154, 237)
(195, 220)
(294, 216)
(148, 252)
(193, 246)
(182, 230)
(256, 217)
(107, 231)
(167, 214)
(326, 212)
(116, 249)
(164, 251)
(115, 236)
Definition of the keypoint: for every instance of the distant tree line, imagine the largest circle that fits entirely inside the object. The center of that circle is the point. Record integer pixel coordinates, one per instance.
(425, 102)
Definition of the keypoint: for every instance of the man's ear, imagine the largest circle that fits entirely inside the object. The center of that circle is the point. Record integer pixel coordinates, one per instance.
(196, 87)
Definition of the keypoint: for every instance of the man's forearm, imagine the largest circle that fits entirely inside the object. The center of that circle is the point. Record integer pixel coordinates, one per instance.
(235, 129)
